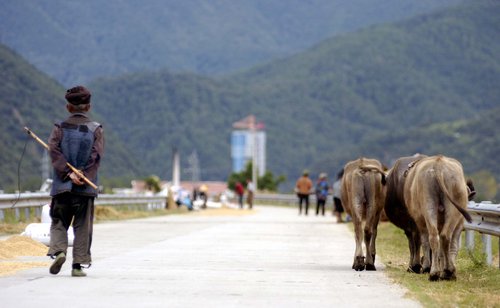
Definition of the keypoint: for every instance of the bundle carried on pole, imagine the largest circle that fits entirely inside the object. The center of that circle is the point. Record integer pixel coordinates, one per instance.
(76, 171)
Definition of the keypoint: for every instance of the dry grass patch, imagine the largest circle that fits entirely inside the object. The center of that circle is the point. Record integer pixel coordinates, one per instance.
(20, 246)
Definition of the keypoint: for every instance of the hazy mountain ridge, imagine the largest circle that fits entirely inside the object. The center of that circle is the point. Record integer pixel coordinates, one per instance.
(76, 41)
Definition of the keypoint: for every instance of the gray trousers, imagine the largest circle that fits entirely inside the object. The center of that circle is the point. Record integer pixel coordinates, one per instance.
(69, 209)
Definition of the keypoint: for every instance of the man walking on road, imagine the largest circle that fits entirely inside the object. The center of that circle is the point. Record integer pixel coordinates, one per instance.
(250, 193)
(303, 188)
(240, 191)
(78, 141)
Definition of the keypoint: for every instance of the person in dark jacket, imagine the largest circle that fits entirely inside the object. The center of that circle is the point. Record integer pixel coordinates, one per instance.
(80, 142)
(240, 191)
(322, 190)
(338, 209)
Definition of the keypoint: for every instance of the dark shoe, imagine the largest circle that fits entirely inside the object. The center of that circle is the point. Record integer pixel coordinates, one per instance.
(78, 273)
(55, 268)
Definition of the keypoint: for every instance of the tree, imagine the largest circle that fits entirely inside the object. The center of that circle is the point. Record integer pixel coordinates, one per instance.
(265, 182)
(153, 183)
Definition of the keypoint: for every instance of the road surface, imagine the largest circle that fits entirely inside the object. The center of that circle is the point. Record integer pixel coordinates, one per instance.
(270, 258)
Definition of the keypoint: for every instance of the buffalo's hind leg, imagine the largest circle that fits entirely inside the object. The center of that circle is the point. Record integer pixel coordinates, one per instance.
(414, 245)
(359, 259)
(359, 263)
(371, 248)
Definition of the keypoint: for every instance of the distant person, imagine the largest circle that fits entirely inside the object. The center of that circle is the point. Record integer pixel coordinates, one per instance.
(338, 209)
(322, 189)
(303, 188)
(240, 191)
(203, 193)
(80, 142)
(250, 193)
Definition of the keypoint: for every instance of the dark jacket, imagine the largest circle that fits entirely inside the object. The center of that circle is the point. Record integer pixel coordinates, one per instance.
(80, 142)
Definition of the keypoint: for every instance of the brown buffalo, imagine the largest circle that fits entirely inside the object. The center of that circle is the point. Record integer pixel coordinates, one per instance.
(436, 196)
(363, 198)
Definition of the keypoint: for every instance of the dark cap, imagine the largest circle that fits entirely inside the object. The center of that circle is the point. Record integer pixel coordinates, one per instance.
(78, 95)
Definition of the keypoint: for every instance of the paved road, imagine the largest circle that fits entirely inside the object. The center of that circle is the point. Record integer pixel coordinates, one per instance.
(272, 258)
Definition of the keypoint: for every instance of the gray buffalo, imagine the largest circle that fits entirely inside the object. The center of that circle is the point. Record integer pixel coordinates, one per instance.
(436, 196)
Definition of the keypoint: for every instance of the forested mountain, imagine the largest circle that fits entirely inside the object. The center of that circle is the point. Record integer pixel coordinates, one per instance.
(350, 93)
(75, 41)
(475, 142)
(30, 98)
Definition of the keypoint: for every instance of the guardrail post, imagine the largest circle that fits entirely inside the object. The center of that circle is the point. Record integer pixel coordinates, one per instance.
(27, 213)
(38, 211)
(469, 240)
(2, 216)
(16, 213)
(487, 248)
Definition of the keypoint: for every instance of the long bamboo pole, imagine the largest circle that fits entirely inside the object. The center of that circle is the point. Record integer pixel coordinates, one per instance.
(76, 171)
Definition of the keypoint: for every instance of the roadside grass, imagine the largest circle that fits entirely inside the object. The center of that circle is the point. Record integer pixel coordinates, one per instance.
(477, 284)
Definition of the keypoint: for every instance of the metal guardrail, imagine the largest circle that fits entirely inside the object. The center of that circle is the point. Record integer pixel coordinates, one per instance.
(485, 220)
(284, 199)
(27, 201)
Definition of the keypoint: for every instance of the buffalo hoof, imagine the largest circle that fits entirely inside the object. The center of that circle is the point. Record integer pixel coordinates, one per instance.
(359, 264)
(448, 275)
(370, 267)
(434, 276)
(426, 270)
(417, 269)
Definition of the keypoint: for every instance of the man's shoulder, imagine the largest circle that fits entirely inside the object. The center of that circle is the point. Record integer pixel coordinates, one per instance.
(81, 119)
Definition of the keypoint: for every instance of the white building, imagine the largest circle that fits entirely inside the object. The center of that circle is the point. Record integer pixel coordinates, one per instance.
(247, 137)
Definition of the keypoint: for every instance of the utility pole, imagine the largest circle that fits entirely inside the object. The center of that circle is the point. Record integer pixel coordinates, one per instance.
(254, 150)
(176, 168)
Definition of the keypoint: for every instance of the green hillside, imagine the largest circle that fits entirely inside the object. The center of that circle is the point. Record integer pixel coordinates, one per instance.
(383, 81)
(30, 98)
(155, 112)
(76, 41)
(474, 142)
